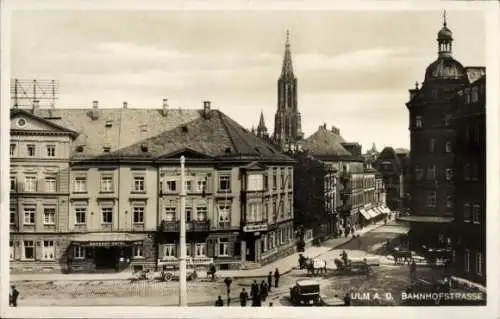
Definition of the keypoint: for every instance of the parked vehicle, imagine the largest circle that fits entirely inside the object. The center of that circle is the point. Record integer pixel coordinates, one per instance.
(305, 292)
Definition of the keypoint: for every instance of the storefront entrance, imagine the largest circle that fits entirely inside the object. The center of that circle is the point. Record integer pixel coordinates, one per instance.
(250, 249)
(106, 258)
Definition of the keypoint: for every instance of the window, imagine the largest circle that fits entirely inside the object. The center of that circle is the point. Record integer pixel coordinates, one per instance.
(12, 149)
(418, 122)
(106, 184)
(419, 172)
(431, 172)
(476, 214)
(51, 150)
(138, 214)
(31, 149)
(107, 215)
(171, 186)
(201, 213)
(30, 184)
(275, 180)
(467, 260)
(282, 181)
(50, 184)
(467, 97)
(449, 201)
(48, 250)
(255, 182)
(225, 183)
(266, 182)
(449, 174)
(265, 211)
(479, 263)
(200, 250)
(11, 250)
(80, 185)
(137, 252)
(289, 179)
(467, 171)
(467, 212)
(201, 185)
(139, 184)
(29, 249)
(170, 213)
(29, 215)
(223, 247)
(431, 199)
(80, 215)
(12, 218)
(432, 145)
(447, 147)
(79, 252)
(224, 210)
(169, 250)
(189, 213)
(447, 119)
(189, 186)
(49, 216)
(290, 207)
(474, 96)
(13, 183)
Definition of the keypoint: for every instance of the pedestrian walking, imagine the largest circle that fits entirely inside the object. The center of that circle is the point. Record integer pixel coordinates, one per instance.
(276, 278)
(212, 271)
(228, 281)
(219, 302)
(263, 290)
(254, 290)
(243, 297)
(270, 304)
(14, 294)
(347, 300)
(413, 271)
(270, 279)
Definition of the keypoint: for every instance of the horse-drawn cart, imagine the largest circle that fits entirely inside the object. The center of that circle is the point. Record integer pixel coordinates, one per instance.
(194, 267)
(359, 264)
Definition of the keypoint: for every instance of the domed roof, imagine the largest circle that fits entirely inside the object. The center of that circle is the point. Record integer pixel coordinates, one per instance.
(445, 68)
(445, 34)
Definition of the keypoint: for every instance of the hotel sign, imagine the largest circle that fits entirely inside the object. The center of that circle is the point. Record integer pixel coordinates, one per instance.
(254, 228)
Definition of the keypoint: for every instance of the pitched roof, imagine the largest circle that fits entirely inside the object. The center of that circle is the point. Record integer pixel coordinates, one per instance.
(128, 131)
(325, 142)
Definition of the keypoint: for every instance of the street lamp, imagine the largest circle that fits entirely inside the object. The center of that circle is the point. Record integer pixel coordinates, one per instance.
(182, 240)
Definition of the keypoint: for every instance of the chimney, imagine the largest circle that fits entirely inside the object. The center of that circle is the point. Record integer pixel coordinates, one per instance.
(125, 105)
(36, 105)
(335, 130)
(95, 110)
(206, 108)
(164, 110)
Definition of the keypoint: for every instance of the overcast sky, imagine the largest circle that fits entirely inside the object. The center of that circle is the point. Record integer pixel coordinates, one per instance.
(354, 69)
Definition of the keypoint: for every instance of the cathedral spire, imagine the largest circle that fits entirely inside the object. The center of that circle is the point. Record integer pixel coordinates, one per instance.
(287, 68)
(262, 123)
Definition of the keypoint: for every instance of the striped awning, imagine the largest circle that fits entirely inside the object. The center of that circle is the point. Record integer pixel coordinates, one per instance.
(365, 214)
(107, 239)
(372, 213)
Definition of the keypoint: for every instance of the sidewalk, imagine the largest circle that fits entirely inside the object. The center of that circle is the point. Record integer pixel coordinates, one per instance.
(285, 265)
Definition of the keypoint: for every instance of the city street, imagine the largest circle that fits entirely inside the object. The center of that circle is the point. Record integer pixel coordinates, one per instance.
(387, 278)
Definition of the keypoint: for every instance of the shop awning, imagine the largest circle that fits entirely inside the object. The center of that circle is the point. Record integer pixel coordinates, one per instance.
(365, 214)
(372, 213)
(379, 210)
(107, 239)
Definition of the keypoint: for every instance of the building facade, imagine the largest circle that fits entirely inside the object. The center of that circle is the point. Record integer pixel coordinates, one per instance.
(98, 189)
(394, 167)
(432, 137)
(470, 183)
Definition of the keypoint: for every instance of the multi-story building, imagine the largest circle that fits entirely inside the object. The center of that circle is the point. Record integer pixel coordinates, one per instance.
(432, 137)
(469, 122)
(100, 189)
(393, 168)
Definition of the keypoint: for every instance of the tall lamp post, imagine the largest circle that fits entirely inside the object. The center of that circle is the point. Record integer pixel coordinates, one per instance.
(182, 241)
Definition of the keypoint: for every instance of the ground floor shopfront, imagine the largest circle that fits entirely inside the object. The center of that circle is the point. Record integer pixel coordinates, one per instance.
(428, 232)
(372, 214)
(89, 252)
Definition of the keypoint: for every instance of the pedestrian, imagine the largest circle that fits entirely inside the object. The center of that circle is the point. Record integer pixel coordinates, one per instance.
(270, 278)
(243, 297)
(212, 271)
(347, 300)
(270, 304)
(254, 291)
(276, 277)
(413, 271)
(219, 302)
(263, 290)
(228, 281)
(14, 295)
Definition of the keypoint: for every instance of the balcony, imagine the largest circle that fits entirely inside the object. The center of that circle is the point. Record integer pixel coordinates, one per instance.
(191, 226)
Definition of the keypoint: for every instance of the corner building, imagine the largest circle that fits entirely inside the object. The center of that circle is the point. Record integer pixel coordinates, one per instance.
(432, 138)
(98, 190)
